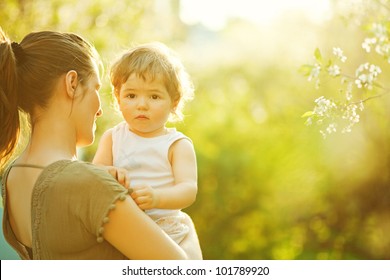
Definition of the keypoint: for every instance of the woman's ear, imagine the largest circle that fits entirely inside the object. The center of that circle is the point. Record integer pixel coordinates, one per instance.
(71, 80)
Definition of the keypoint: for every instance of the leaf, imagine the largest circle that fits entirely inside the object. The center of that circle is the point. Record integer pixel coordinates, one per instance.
(317, 55)
(330, 63)
(305, 69)
(307, 114)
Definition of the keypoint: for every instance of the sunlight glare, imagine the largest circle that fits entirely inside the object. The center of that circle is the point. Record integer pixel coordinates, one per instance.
(214, 14)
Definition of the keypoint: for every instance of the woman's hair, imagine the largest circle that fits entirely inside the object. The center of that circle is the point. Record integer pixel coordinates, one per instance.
(29, 71)
(150, 61)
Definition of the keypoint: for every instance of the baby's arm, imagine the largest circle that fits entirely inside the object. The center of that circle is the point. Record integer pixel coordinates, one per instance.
(103, 154)
(103, 158)
(183, 193)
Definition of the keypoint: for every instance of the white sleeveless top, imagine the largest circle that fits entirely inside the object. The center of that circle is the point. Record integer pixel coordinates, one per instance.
(146, 160)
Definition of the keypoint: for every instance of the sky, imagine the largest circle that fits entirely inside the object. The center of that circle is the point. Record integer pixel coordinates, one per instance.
(283, 29)
(214, 13)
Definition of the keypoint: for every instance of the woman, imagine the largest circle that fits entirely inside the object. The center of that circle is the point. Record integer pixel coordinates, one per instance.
(56, 207)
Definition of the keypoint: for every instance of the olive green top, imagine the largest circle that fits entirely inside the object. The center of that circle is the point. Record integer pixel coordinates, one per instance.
(69, 207)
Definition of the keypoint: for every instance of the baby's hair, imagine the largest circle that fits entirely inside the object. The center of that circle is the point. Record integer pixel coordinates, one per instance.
(150, 61)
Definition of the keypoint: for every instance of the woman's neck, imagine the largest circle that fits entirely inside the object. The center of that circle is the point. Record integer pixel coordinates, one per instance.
(50, 141)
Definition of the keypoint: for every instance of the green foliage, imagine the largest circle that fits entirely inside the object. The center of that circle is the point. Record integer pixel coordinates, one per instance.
(317, 55)
(268, 188)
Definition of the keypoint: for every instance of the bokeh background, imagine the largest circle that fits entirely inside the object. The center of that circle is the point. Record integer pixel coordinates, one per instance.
(269, 186)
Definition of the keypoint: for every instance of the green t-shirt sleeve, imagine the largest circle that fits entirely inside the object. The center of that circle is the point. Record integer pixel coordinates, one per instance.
(90, 193)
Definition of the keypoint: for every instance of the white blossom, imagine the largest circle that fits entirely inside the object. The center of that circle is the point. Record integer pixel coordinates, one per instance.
(334, 70)
(383, 49)
(380, 41)
(347, 129)
(339, 54)
(359, 83)
(361, 106)
(343, 113)
(318, 83)
(375, 70)
(368, 43)
(331, 128)
(366, 74)
(324, 106)
(351, 115)
(348, 92)
(315, 72)
(379, 30)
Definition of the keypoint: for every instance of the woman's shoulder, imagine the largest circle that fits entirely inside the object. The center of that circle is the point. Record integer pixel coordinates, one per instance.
(86, 170)
(71, 174)
(78, 183)
(70, 167)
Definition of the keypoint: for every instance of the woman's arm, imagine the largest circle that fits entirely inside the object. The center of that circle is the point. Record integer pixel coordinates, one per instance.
(190, 243)
(133, 233)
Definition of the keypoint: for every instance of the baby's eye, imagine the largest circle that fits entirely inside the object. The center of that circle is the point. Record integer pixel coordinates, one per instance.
(155, 96)
(131, 95)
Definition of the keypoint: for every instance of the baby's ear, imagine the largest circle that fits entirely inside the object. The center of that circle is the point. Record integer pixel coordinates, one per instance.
(116, 96)
(71, 80)
(174, 105)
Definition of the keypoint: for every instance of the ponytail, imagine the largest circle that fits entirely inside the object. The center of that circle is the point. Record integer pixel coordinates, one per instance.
(29, 71)
(9, 113)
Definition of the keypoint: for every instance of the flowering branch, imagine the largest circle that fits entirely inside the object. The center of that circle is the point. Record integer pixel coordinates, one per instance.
(342, 113)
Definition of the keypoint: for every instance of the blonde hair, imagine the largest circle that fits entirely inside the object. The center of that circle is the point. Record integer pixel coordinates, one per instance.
(28, 73)
(152, 60)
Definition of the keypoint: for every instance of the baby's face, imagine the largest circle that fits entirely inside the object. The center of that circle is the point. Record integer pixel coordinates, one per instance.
(145, 105)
